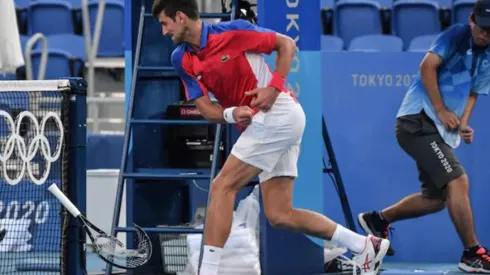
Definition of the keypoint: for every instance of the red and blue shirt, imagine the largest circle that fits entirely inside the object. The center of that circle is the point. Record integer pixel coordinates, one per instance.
(229, 63)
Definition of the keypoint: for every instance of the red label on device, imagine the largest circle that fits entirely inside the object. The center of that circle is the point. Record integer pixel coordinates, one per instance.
(189, 112)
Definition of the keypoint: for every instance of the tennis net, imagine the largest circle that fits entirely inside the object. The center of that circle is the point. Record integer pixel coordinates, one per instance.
(34, 127)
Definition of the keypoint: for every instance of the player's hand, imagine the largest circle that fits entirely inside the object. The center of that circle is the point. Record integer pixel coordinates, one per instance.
(263, 98)
(449, 119)
(243, 116)
(466, 132)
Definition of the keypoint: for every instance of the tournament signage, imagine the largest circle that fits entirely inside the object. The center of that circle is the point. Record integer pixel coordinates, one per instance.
(28, 164)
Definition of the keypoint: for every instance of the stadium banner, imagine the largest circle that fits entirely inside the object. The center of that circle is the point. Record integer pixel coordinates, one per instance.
(299, 19)
(31, 217)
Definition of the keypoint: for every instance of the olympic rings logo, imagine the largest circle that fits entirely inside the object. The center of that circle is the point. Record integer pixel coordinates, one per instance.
(27, 152)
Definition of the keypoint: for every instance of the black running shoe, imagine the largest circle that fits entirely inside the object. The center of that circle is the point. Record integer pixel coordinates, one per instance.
(478, 262)
(372, 224)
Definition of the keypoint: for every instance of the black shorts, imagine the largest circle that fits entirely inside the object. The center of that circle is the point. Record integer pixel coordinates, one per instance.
(436, 162)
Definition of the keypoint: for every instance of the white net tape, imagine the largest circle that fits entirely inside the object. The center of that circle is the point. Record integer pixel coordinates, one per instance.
(34, 85)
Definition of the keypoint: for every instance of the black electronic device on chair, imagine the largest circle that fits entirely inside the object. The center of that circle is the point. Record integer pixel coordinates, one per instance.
(190, 146)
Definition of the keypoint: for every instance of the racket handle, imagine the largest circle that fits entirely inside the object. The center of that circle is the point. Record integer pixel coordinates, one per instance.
(53, 188)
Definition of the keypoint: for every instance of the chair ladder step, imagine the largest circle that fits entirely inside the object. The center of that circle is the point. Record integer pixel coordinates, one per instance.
(171, 121)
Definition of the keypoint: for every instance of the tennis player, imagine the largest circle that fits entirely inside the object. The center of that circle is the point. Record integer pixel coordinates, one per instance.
(226, 58)
(433, 118)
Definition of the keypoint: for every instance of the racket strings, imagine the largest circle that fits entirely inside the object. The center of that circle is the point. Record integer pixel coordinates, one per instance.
(111, 249)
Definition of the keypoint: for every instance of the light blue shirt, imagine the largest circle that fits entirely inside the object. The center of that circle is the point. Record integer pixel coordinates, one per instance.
(462, 71)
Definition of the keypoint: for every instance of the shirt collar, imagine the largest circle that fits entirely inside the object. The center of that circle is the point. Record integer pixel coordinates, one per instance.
(204, 37)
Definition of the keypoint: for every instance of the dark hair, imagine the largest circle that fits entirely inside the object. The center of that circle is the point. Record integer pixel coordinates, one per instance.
(171, 7)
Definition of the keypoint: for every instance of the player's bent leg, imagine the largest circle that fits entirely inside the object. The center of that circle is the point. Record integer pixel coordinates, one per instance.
(277, 200)
(430, 200)
(279, 211)
(453, 180)
(258, 149)
(460, 210)
(475, 258)
(234, 175)
(419, 138)
(378, 223)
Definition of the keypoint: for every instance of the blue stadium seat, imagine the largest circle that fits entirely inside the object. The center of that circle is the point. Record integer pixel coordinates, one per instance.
(445, 4)
(421, 43)
(76, 4)
(49, 17)
(22, 4)
(331, 43)
(382, 3)
(364, 13)
(377, 43)
(71, 43)
(385, 3)
(59, 64)
(111, 42)
(327, 4)
(462, 10)
(414, 18)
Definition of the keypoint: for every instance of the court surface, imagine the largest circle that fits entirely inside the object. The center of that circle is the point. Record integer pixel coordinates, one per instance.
(97, 266)
(417, 268)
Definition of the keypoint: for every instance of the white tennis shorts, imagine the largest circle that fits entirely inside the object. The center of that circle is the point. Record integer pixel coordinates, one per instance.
(272, 141)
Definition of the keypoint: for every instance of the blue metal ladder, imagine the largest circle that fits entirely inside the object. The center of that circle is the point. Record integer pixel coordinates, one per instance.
(160, 174)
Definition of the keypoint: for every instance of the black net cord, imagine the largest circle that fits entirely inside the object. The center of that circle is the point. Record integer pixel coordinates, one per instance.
(65, 216)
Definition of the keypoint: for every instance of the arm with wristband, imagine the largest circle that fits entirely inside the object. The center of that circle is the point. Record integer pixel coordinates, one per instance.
(197, 91)
(240, 115)
(250, 38)
(264, 98)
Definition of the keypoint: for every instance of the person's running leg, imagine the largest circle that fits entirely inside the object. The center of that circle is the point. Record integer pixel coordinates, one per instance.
(444, 183)
(277, 192)
(234, 175)
(414, 135)
(257, 149)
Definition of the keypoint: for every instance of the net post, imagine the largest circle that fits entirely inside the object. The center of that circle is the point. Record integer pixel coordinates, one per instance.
(77, 171)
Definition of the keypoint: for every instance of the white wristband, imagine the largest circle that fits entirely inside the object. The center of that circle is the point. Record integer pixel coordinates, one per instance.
(228, 115)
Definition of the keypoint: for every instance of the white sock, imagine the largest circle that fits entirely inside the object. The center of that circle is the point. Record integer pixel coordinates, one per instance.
(353, 241)
(210, 260)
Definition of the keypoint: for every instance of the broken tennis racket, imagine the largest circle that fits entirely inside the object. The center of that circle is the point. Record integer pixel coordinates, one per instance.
(108, 247)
